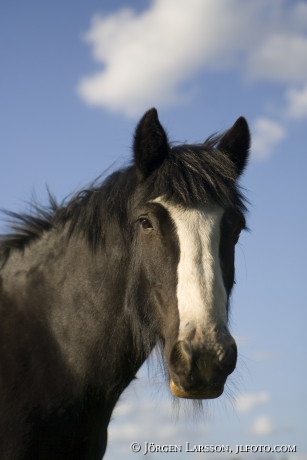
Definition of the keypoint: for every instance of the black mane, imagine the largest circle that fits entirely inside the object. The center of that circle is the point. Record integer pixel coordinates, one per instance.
(191, 175)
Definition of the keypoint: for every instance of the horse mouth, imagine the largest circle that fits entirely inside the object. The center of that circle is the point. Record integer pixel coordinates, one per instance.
(206, 393)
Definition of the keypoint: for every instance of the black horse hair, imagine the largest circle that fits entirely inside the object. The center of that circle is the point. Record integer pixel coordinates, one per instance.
(190, 175)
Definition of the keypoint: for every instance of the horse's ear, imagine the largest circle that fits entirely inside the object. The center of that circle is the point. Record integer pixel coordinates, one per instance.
(150, 143)
(236, 142)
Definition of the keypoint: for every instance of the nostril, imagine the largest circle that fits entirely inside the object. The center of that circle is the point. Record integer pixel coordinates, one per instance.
(221, 353)
(180, 357)
(228, 358)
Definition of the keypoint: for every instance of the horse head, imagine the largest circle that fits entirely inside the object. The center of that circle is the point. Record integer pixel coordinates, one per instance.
(187, 213)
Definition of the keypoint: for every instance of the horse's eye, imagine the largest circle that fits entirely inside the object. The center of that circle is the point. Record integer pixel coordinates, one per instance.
(145, 223)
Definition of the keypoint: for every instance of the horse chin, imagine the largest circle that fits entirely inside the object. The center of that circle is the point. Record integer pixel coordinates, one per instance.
(208, 393)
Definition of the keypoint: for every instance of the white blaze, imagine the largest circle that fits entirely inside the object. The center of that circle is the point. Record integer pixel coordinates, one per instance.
(201, 293)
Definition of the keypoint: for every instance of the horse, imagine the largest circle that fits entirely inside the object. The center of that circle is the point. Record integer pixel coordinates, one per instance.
(90, 286)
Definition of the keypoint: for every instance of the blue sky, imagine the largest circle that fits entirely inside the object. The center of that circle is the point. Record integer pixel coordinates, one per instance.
(76, 76)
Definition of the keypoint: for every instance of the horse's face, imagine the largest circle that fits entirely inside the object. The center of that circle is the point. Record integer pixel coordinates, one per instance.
(204, 353)
(186, 271)
(185, 259)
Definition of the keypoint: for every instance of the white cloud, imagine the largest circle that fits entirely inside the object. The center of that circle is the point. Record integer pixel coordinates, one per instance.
(262, 426)
(146, 58)
(297, 101)
(267, 134)
(246, 403)
(280, 58)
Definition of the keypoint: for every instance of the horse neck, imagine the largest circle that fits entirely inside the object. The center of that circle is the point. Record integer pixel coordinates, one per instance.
(79, 298)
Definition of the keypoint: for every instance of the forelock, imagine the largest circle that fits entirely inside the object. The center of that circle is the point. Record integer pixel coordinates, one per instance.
(194, 175)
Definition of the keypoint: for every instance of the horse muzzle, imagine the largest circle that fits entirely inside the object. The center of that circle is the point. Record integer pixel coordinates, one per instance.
(199, 370)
